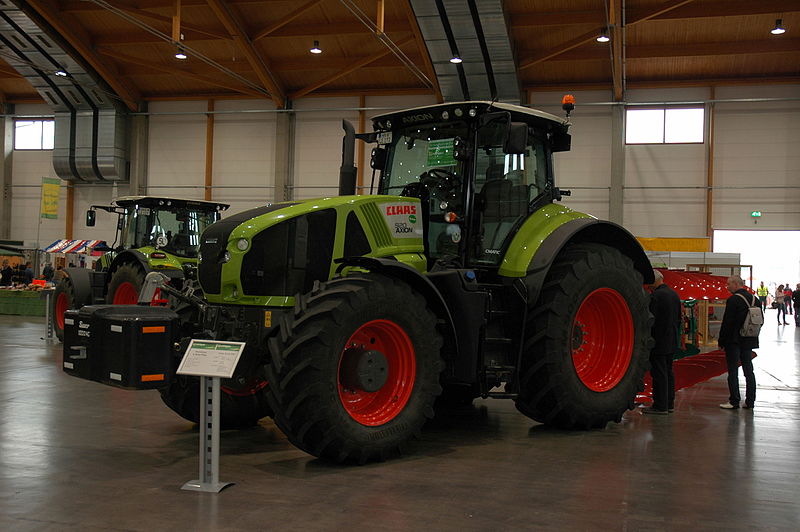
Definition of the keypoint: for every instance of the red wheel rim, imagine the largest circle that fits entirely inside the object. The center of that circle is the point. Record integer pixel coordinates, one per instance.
(376, 408)
(602, 339)
(126, 294)
(62, 305)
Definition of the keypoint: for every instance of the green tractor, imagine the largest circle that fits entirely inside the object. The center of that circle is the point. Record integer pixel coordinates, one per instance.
(153, 233)
(461, 278)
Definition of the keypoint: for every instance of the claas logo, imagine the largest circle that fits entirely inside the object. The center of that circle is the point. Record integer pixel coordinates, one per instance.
(400, 209)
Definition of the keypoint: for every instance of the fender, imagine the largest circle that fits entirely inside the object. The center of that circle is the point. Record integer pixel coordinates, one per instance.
(134, 256)
(412, 277)
(81, 279)
(584, 230)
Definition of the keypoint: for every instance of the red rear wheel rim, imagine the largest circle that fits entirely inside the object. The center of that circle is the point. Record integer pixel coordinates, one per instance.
(62, 305)
(602, 339)
(380, 407)
(126, 294)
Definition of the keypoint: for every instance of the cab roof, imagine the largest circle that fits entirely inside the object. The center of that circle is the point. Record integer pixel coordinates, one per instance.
(518, 112)
(164, 201)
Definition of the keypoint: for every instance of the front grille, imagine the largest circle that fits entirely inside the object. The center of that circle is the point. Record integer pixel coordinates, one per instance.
(214, 241)
(287, 258)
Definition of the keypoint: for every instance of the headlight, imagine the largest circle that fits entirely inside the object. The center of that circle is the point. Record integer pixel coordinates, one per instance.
(226, 257)
(242, 244)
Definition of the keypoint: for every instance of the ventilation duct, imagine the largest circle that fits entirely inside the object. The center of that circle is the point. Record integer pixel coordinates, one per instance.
(90, 126)
(477, 32)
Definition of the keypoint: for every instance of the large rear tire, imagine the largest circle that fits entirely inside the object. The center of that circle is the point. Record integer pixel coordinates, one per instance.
(63, 300)
(125, 285)
(587, 340)
(355, 373)
(240, 407)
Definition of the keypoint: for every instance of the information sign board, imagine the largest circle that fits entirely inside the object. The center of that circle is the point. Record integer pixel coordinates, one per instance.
(211, 358)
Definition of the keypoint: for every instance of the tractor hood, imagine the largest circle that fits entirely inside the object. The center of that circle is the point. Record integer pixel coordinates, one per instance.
(269, 254)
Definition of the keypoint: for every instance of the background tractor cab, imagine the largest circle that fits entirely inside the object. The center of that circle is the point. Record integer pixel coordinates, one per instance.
(152, 233)
(478, 168)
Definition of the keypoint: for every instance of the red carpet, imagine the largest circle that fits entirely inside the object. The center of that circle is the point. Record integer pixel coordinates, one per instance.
(688, 372)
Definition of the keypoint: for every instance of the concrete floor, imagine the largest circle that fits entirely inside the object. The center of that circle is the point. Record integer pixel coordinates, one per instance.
(76, 455)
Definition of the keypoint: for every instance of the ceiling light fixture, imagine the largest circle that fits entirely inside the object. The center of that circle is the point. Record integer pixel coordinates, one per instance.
(180, 54)
(603, 37)
(778, 29)
(61, 73)
(316, 49)
(456, 60)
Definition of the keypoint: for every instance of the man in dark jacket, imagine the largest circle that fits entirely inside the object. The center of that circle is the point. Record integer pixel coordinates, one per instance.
(738, 348)
(796, 301)
(665, 305)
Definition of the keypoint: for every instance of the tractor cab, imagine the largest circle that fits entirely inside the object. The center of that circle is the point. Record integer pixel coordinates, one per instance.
(478, 168)
(167, 224)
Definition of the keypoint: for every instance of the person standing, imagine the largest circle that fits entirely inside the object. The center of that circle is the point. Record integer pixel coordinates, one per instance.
(6, 274)
(48, 272)
(738, 348)
(665, 305)
(787, 298)
(796, 301)
(762, 292)
(781, 306)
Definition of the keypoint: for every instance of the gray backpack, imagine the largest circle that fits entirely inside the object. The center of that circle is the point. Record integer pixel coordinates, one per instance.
(753, 320)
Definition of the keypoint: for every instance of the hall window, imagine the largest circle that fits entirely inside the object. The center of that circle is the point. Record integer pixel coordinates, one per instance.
(664, 126)
(34, 134)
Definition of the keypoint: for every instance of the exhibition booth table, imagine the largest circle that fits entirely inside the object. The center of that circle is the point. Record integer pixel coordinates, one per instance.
(23, 302)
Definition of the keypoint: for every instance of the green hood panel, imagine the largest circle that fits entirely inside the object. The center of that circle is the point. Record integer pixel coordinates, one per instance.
(532, 234)
(392, 225)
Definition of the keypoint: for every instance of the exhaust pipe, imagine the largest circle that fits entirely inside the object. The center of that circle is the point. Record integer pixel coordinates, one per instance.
(347, 172)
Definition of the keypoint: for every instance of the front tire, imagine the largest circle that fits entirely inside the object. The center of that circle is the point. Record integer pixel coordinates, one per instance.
(63, 300)
(126, 283)
(241, 407)
(355, 373)
(587, 340)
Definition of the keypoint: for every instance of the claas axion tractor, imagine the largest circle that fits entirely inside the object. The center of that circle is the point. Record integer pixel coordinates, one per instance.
(460, 278)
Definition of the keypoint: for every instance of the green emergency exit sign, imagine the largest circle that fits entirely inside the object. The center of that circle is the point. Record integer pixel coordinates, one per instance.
(756, 214)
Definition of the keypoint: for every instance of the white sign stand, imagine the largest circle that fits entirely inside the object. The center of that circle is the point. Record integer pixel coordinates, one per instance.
(210, 360)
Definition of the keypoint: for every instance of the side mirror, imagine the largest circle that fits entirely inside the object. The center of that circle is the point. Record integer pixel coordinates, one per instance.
(377, 160)
(517, 139)
(90, 218)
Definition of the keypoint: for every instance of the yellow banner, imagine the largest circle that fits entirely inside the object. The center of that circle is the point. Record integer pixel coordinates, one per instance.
(51, 188)
(675, 244)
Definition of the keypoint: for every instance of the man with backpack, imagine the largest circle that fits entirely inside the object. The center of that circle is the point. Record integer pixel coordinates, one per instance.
(738, 336)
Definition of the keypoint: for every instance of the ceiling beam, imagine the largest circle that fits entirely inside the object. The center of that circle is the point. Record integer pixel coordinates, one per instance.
(726, 8)
(189, 30)
(354, 66)
(83, 5)
(71, 32)
(331, 65)
(764, 46)
(177, 72)
(152, 97)
(660, 84)
(617, 48)
(235, 28)
(590, 35)
(419, 40)
(275, 26)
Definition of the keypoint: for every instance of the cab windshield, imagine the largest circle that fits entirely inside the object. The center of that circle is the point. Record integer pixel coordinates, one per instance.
(177, 232)
(421, 164)
(418, 151)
